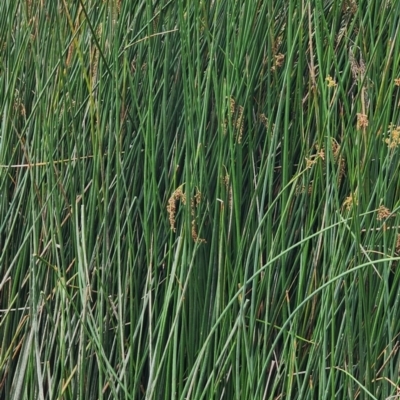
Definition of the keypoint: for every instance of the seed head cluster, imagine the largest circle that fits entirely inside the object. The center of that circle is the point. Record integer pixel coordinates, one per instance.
(179, 196)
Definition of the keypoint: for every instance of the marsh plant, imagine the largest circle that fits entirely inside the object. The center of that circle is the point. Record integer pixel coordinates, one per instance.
(199, 200)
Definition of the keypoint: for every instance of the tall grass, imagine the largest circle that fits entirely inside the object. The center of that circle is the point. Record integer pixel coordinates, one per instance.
(199, 200)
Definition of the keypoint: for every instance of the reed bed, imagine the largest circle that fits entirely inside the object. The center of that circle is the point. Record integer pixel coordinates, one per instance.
(199, 200)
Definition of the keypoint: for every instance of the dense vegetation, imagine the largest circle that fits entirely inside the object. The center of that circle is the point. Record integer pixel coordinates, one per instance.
(199, 199)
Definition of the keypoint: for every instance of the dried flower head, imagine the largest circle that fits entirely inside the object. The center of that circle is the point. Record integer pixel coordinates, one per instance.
(177, 195)
(394, 136)
(225, 180)
(321, 152)
(194, 203)
(263, 119)
(350, 201)
(278, 61)
(236, 112)
(397, 82)
(362, 121)
(383, 213)
(310, 162)
(338, 159)
(330, 81)
(239, 124)
(195, 236)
